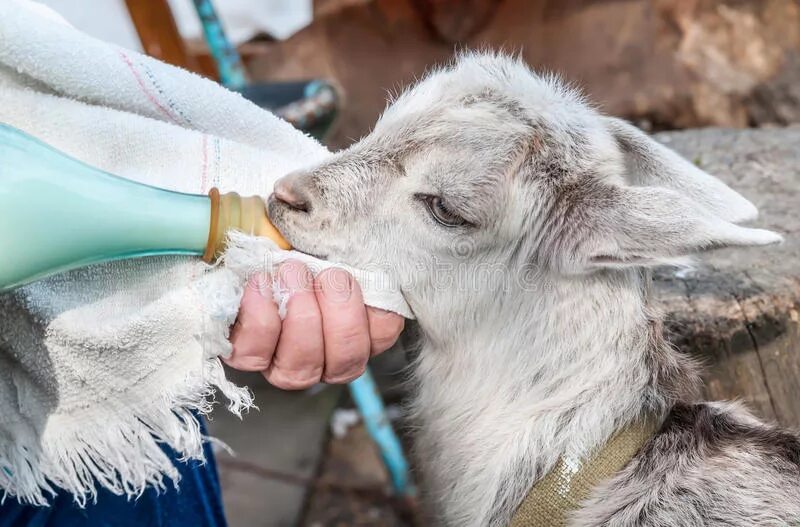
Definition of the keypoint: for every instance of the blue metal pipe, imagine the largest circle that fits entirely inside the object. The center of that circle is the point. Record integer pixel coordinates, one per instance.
(368, 400)
(227, 59)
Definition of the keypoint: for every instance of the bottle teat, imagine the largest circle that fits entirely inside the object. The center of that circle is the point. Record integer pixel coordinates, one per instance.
(230, 211)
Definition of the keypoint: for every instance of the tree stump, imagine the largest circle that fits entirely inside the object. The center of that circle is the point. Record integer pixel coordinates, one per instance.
(738, 311)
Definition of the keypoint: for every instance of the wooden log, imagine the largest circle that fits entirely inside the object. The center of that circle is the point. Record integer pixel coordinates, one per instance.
(738, 311)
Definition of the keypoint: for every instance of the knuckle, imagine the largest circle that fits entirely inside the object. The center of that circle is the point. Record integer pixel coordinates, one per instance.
(308, 318)
(249, 362)
(293, 380)
(346, 367)
(247, 355)
(346, 377)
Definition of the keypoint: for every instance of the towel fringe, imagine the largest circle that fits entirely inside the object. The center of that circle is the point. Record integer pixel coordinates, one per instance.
(122, 451)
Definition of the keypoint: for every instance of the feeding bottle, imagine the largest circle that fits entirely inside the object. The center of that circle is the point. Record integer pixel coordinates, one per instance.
(58, 213)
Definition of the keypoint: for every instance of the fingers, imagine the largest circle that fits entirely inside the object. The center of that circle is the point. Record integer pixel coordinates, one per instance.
(344, 325)
(258, 327)
(299, 358)
(328, 334)
(384, 329)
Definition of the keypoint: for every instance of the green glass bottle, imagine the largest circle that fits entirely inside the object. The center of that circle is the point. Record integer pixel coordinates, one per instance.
(57, 213)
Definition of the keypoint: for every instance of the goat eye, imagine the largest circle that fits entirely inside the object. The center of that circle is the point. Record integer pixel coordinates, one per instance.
(440, 212)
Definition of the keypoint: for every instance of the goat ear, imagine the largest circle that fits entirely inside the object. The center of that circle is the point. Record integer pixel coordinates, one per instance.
(649, 163)
(649, 226)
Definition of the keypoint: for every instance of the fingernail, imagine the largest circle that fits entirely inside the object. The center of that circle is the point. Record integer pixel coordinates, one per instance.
(337, 285)
(262, 283)
(294, 276)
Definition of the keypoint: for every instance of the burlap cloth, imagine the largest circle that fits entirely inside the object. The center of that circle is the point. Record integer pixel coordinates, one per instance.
(562, 490)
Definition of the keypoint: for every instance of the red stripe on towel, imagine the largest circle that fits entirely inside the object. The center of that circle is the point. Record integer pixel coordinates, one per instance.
(144, 89)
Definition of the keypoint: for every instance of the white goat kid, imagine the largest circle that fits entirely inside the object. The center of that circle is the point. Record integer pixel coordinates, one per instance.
(521, 224)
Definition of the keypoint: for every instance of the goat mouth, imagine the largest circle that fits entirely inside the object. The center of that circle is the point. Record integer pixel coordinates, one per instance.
(277, 212)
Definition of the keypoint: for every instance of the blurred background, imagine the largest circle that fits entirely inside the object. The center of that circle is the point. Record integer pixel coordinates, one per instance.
(664, 64)
(304, 459)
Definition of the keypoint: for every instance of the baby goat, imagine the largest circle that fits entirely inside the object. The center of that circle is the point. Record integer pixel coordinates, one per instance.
(521, 225)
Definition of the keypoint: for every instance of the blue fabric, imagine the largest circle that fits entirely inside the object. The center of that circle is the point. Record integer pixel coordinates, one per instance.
(197, 503)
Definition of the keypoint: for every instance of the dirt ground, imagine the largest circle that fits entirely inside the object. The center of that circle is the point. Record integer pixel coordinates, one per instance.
(352, 488)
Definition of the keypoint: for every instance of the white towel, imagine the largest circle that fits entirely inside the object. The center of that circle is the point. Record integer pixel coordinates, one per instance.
(100, 364)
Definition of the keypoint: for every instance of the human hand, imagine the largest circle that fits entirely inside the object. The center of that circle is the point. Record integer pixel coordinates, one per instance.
(327, 335)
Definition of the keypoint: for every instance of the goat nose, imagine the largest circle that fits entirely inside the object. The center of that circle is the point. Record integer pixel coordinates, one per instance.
(289, 190)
